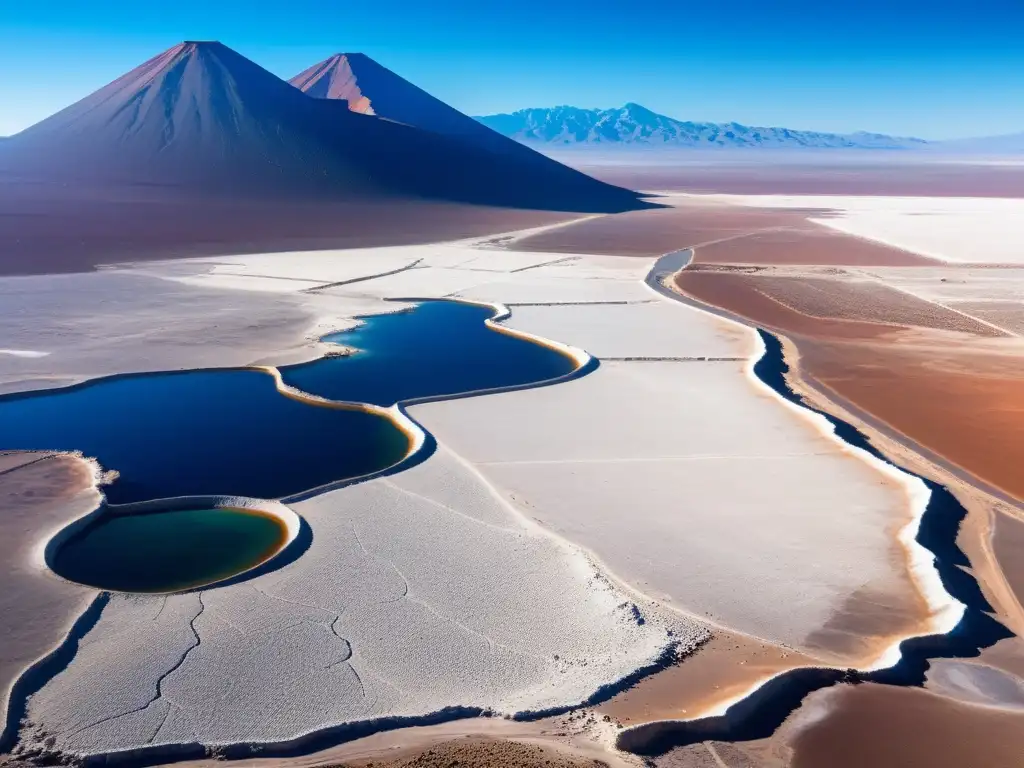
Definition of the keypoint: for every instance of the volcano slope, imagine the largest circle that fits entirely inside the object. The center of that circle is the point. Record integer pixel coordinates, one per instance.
(372, 89)
(201, 122)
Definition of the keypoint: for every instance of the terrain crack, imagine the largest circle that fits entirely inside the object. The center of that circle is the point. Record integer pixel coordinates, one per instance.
(491, 643)
(405, 581)
(545, 264)
(439, 505)
(160, 680)
(28, 463)
(163, 604)
(163, 722)
(294, 602)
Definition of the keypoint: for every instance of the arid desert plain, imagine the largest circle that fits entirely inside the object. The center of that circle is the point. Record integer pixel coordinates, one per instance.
(617, 563)
(724, 472)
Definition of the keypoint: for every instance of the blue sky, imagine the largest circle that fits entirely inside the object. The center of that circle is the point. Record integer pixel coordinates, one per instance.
(932, 69)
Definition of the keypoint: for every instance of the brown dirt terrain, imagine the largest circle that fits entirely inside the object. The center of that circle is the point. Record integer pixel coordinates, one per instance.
(654, 232)
(734, 291)
(874, 725)
(46, 229)
(1005, 314)
(807, 243)
(909, 380)
(724, 233)
(839, 297)
(724, 667)
(866, 301)
(484, 753)
(967, 407)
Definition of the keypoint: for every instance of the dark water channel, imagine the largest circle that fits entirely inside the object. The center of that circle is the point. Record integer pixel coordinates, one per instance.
(440, 348)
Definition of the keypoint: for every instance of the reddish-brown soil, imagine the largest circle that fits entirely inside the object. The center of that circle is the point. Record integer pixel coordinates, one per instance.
(1005, 314)
(943, 391)
(482, 753)
(724, 234)
(740, 292)
(966, 407)
(808, 243)
(888, 727)
(723, 668)
(829, 305)
(654, 232)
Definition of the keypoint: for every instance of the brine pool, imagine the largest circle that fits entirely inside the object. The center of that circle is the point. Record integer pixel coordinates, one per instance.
(233, 433)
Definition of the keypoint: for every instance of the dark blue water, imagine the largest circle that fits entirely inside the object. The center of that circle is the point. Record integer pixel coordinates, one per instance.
(439, 348)
(201, 433)
(230, 432)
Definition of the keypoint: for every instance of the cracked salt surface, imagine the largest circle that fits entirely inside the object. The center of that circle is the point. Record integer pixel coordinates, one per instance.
(426, 590)
(420, 591)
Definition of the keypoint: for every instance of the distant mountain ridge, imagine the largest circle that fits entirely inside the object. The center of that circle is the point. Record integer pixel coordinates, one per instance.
(633, 124)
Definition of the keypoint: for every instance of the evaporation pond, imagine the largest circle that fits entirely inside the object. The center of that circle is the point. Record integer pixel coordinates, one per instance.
(169, 551)
(437, 348)
(204, 433)
(231, 433)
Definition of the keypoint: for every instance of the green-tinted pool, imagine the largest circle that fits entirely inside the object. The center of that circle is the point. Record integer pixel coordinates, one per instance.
(169, 551)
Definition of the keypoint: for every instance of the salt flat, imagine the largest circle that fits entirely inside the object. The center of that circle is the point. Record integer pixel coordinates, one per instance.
(954, 229)
(703, 493)
(419, 591)
(634, 330)
(671, 478)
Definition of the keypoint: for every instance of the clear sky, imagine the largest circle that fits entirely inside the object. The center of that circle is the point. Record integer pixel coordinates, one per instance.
(934, 69)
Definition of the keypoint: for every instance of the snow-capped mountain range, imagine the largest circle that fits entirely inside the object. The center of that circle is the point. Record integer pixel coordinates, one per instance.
(637, 125)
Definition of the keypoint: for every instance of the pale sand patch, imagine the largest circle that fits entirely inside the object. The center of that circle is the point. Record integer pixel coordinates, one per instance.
(955, 229)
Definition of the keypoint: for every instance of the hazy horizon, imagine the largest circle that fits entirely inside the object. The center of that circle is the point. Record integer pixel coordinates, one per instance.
(899, 68)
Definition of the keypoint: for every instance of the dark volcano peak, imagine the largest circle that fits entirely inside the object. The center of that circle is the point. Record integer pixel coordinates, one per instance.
(203, 118)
